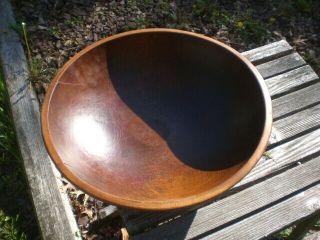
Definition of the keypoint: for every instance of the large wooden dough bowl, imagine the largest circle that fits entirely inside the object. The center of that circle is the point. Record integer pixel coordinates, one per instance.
(156, 119)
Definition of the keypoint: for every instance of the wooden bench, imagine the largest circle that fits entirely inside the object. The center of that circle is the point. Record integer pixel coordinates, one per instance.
(282, 189)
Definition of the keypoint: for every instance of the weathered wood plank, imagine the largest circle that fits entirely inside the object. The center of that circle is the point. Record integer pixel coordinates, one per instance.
(108, 211)
(295, 124)
(280, 65)
(276, 217)
(50, 209)
(290, 81)
(283, 156)
(231, 209)
(296, 101)
(278, 158)
(268, 52)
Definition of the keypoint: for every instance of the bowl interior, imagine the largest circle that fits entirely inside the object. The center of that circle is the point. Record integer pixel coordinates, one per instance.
(154, 117)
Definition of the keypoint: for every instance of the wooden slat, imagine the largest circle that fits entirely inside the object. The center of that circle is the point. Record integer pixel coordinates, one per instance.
(53, 218)
(290, 81)
(280, 65)
(296, 101)
(278, 158)
(268, 52)
(108, 211)
(274, 218)
(283, 156)
(229, 210)
(295, 124)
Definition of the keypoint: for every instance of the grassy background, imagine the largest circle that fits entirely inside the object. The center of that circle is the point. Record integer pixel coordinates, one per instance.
(17, 220)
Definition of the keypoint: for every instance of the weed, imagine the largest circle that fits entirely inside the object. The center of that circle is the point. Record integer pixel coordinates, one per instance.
(284, 234)
(73, 21)
(10, 227)
(206, 10)
(304, 6)
(164, 5)
(147, 2)
(289, 8)
(17, 28)
(241, 22)
(141, 22)
(55, 31)
(39, 70)
(209, 11)
(267, 155)
(251, 30)
(165, 8)
(27, 44)
(7, 136)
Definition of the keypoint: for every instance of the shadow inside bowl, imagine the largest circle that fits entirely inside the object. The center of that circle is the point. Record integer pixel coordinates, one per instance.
(206, 107)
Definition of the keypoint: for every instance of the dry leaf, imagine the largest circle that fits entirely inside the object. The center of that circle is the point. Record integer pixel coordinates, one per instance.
(300, 41)
(67, 187)
(88, 212)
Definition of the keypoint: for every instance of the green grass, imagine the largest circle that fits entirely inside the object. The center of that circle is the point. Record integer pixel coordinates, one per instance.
(55, 31)
(241, 22)
(284, 234)
(141, 22)
(17, 220)
(291, 8)
(73, 21)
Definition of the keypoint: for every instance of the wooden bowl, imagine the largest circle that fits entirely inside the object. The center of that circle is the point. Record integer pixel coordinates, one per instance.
(156, 119)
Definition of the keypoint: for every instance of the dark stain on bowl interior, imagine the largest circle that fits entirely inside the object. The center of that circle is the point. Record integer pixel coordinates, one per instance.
(205, 105)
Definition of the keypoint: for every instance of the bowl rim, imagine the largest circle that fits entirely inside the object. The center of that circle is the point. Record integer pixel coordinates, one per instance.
(174, 203)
